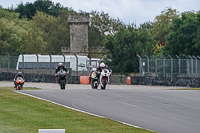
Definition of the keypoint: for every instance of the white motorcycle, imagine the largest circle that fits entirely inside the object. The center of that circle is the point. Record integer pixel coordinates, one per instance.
(104, 78)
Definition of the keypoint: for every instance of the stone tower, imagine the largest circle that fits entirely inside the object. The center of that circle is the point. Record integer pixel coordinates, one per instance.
(79, 33)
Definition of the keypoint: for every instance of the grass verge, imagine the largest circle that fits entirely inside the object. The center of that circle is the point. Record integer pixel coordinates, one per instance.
(23, 114)
(185, 89)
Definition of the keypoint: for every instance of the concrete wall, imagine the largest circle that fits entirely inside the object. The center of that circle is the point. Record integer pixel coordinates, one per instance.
(176, 81)
(6, 76)
(50, 78)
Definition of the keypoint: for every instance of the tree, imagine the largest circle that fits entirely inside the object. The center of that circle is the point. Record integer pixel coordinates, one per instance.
(161, 24)
(125, 45)
(47, 6)
(12, 32)
(29, 9)
(26, 11)
(104, 24)
(184, 36)
(47, 34)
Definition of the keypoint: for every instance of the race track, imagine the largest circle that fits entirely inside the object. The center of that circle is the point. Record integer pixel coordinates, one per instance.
(149, 107)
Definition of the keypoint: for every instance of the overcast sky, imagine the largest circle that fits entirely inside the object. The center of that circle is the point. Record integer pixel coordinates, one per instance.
(128, 11)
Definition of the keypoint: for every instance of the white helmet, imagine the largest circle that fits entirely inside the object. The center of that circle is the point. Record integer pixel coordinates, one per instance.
(102, 65)
(94, 69)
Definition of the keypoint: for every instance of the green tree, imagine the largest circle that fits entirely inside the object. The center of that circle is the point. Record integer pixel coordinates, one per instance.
(161, 24)
(104, 24)
(29, 9)
(125, 45)
(12, 32)
(47, 6)
(47, 34)
(101, 24)
(184, 36)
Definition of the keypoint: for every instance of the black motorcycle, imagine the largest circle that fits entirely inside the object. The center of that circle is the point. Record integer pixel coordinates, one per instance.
(62, 78)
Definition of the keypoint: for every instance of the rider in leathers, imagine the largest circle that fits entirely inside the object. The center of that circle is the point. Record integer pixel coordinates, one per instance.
(102, 66)
(19, 74)
(58, 68)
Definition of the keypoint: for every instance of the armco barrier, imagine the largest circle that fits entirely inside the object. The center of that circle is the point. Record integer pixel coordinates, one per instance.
(84, 79)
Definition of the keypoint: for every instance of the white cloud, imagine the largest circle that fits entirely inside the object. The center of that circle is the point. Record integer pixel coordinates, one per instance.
(128, 11)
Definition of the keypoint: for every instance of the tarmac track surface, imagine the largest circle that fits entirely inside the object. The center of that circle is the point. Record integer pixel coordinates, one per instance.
(149, 107)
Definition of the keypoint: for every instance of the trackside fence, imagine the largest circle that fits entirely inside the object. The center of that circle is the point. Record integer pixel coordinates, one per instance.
(42, 71)
(169, 66)
(168, 71)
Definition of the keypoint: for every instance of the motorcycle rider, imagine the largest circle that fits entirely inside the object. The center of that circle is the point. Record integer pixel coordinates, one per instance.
(19, 74)
(93, 70)
(101, 67)
(58, 68)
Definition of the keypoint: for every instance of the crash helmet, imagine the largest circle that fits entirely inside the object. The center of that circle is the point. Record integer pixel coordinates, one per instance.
(102, 65)
(19, 74)
(94, 69)
(60, 65)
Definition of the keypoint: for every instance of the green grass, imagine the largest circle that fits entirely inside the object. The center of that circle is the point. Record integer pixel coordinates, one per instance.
(23, 114)
(185, 89)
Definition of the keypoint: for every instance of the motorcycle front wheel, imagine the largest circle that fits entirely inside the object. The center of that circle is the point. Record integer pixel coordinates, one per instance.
(104, 84)
(62, 84)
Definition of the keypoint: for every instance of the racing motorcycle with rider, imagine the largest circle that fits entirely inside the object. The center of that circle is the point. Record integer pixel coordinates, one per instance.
(61, 75)
(104, 75)
(19, 81)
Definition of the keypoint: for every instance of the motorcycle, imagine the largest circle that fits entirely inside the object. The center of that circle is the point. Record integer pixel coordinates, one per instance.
(19, 83)
(104, 78)
(94, 80)
(62, 78)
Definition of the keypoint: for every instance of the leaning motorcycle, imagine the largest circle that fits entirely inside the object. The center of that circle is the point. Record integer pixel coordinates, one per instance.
(104, 78)
(19, 83)
(62, 78)
(94, 80)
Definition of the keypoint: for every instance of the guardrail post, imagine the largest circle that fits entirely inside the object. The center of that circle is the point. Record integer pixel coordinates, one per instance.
(8, 61)
(163, 65)
(199, 59)
(50, 62)
(196, 64)
(191, 65)
(140, 66)
(147, 64)
(155, 64)
(90, 62)
(76, 65)
(22, 63)
(37, 62)
(64, 59)
(171, 65)
(179, 65)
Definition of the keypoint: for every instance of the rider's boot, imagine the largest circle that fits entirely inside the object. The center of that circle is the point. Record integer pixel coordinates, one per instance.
(15, 85)
(109, 81)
